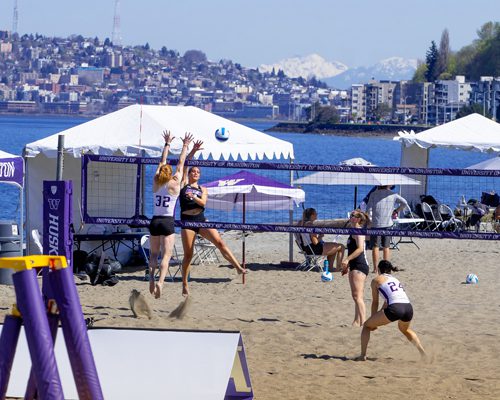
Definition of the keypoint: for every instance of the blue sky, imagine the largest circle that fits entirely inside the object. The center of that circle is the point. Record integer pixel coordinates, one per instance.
(254, 32)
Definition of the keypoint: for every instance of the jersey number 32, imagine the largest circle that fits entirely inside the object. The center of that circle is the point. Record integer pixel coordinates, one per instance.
(162, 201)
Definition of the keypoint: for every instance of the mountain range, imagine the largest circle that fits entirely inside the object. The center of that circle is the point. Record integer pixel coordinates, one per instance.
(338, 75)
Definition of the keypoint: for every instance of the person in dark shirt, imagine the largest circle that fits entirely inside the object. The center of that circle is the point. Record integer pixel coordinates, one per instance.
(192, 200)
(355, 263)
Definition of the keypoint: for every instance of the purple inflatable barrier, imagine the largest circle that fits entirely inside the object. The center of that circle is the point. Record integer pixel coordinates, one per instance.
(8, 344)
(75, 335)
(38, 335)
(31, 389)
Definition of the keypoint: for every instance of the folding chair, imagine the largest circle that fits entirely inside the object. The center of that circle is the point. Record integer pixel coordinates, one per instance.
(175, 262)
(450, 222)
(311, 261)
(432, 223)
(204, 252)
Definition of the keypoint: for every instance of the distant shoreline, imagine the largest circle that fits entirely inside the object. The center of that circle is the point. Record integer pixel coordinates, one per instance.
(348, 130)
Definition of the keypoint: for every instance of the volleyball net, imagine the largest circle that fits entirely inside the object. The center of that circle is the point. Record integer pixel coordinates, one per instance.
(271, 196)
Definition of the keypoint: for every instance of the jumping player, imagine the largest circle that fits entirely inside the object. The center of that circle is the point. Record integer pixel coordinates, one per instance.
(166, 188)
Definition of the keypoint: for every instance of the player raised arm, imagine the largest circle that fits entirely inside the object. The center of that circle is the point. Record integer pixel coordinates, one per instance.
(196, 147)
(188, 138)
(168, 139)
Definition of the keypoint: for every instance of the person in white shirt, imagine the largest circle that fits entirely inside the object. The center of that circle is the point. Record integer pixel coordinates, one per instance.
(381, 207)
(397, 307)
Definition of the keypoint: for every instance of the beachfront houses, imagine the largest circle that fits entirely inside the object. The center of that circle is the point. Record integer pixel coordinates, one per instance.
(79, 75)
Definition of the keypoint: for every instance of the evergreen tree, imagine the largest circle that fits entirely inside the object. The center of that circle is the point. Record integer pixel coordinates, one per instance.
(431, 59)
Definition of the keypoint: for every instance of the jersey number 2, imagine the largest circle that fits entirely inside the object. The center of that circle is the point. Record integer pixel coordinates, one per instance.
(162, 201)
(395, 288)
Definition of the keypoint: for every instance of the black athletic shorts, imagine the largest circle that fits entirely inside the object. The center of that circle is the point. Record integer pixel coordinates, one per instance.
(161, 226)
(314, 249)
(361, 267)
(396, 311)
(193, 218)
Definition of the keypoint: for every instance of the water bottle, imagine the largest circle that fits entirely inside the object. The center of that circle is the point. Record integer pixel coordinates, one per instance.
(326, 276)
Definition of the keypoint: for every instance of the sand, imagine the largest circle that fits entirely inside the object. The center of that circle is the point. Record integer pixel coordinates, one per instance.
(297, 329)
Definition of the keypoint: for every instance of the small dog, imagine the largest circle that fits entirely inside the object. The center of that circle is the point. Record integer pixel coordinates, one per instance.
(139, 305)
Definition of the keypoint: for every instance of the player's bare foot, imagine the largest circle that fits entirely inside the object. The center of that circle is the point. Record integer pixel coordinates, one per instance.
(242, 271)
(157, 290)
(360, 358)
(185, 290)
(355, 324)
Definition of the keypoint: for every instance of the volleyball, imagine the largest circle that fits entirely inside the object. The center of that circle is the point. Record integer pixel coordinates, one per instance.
(326, 276)
(471, 278)
(222, 134)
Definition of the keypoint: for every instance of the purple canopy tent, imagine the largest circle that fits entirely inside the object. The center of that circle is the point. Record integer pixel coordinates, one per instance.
(12, 172)
(247, 191)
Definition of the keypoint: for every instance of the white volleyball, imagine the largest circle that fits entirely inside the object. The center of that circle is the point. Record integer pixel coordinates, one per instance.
(222, 134)
(326, 276)
(471, 278)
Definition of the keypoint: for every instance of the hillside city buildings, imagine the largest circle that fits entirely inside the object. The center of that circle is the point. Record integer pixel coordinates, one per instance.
(82, 76)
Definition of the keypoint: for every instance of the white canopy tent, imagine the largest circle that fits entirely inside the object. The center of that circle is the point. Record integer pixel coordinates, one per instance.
(491, 163)
(355, 178)
(472, 132)
(137, 131)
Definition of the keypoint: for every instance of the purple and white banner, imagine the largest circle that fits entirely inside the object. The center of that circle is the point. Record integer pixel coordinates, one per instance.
(12, 170)
(57, 219)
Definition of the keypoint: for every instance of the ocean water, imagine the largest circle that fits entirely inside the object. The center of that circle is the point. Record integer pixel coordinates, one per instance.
(331, 201)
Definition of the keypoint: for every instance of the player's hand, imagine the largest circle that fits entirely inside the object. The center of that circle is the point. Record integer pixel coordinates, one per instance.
(188, 138)
(167, 137)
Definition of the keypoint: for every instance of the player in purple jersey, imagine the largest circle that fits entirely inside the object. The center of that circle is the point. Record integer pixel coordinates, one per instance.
(397, 307)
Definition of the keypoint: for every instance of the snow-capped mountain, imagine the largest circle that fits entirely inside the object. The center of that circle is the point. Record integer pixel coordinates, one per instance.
(394, 68)
(308, 66)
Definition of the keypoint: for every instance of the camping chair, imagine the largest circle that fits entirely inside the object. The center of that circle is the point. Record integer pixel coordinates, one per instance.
(205, 252)
(175, 262)
(311, 261)
(449, 221)
(432, 223)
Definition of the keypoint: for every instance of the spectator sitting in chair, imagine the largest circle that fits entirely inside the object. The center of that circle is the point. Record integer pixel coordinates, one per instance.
(382, 205)
(496, 219)
(314, 244)
(478, 211)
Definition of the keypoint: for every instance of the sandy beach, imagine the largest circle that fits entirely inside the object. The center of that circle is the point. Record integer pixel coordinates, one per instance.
(297, 329)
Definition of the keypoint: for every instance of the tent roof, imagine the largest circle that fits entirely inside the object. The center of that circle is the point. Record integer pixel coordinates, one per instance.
(135, 128)
(473, 132)
(262, 193)
(491, 163)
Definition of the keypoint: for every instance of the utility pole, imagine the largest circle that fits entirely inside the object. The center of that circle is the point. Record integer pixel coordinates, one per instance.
(116, 35)
(15, 18)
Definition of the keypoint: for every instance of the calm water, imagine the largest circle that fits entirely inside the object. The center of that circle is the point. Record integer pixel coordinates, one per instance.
(15, 132)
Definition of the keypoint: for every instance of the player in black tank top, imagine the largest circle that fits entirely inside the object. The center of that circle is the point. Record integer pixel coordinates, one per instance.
(356, 263)
(193, 201)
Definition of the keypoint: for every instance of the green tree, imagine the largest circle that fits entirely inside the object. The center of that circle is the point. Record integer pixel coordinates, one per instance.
(431, 59)
(326, 115)
(382, 112)
(194, 57)
(473, 108)
(420, 73)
